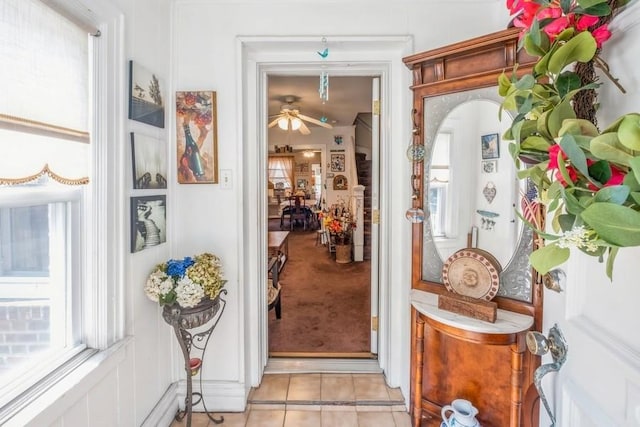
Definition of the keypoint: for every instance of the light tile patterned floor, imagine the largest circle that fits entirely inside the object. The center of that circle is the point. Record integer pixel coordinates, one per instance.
(317, 400)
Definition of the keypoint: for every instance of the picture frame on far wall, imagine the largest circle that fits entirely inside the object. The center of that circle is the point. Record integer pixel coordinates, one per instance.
(148, 222)
(149, 162)
(146, 96)
(197, 137)
(490, 146)
(489, 166)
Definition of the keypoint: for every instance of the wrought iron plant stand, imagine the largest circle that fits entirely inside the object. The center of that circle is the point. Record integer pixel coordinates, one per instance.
(181, 319)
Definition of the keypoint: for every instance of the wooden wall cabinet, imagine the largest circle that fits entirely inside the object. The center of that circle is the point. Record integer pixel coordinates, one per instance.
(453, 356)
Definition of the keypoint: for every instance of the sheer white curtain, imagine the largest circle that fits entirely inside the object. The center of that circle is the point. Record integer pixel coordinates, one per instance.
(44, 99)
(281, 167)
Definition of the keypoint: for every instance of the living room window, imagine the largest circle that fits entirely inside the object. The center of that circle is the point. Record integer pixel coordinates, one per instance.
(44, 139)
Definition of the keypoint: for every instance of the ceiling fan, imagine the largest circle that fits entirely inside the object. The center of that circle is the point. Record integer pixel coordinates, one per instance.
(290, 118)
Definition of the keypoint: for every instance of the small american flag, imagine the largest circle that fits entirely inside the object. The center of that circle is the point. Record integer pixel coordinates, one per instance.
(530, 205)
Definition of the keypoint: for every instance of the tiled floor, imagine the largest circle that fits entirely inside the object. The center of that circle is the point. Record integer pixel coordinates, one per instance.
(317, 400)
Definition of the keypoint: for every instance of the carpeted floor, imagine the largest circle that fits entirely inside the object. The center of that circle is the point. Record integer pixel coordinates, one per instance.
(325, 305)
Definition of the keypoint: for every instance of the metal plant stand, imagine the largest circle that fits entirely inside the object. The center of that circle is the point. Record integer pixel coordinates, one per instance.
(183, 319)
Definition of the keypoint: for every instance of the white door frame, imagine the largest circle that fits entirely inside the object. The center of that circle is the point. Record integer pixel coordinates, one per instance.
(258, 57)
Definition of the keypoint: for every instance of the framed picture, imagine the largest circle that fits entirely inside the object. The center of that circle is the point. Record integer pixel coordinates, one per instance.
(489, 166)
(490, 146)
(340, 182)
(145, 96)
(149, 161)
(148, 222)
(197, 137)
(337, 162)
(301, 183)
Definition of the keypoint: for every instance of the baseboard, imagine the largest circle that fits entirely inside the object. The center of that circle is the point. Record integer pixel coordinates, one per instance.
(217, 397)
(165, 410)
(324, 355)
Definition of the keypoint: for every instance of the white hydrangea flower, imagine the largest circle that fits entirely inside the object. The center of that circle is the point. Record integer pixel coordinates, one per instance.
(188, 293)
(157, 285)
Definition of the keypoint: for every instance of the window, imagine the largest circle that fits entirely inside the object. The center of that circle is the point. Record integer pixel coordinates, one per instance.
(439, 184)
(281, 171)
(44, 138)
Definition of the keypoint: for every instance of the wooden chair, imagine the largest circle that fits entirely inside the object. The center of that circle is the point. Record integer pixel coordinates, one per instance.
(274, 289)
(298, 212)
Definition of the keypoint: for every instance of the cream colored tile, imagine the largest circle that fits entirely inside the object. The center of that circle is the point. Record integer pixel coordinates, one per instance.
(402, 419)
(339, 408)
(273, 387)
(373, 408)
(233, 419)
(375, 419)
(304, 387)
(265, 419)
(268, 407)
(293, 407)
(302, 418)
(370, 387)
(339, 419)
(198, 419)
(337, 387)
(398, 408)
(395, 394)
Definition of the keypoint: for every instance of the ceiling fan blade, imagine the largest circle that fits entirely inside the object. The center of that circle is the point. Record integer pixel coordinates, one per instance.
(304, 129)
(315, 121)
(274, 122)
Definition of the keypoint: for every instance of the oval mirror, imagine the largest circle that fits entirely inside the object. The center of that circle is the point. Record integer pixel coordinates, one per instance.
(471, 188)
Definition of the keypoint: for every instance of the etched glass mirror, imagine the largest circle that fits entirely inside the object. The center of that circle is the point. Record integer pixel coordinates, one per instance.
(471, 189)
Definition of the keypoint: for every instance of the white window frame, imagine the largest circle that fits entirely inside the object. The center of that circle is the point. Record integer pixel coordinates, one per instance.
(104, 215)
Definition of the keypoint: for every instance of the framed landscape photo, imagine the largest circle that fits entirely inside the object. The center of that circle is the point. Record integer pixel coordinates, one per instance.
(197, 137)
(146, 90)
(148, 222)
(490, 146)
(149, 162)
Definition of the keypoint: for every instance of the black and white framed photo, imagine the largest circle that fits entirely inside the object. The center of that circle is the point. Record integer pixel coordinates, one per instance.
(489, 166)
(149, 162)
(490, 146)
(146, 91)
(148, 222)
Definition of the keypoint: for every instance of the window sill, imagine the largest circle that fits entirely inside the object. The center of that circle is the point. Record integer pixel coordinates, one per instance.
(51, 400)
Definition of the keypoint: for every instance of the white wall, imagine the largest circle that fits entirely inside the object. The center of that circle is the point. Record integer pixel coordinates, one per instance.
(207, 57)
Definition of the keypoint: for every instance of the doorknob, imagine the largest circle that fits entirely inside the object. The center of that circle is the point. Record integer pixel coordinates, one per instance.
(539, 345)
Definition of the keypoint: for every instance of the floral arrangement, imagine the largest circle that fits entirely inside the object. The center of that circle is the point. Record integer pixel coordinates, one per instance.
(340, 223)
(588, 179)
(186, 282)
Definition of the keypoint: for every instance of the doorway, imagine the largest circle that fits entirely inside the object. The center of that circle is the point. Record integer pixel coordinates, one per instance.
(357, 56)
(327, 303)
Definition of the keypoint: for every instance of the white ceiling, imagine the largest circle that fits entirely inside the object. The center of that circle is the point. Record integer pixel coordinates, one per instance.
(348, 96)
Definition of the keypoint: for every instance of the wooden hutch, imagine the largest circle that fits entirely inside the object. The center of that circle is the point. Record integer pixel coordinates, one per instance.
(451, 356)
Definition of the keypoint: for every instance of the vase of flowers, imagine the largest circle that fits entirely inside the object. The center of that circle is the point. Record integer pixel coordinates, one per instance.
(340, 224)
(188, 289)
(587, 178)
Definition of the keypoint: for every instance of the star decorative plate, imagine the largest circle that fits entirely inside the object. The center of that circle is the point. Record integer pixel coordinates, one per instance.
(472, 272)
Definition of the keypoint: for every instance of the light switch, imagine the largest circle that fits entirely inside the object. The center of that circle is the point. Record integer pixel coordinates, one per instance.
(225, 179)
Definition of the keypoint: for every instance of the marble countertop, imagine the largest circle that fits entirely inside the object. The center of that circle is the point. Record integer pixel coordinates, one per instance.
(507, 322)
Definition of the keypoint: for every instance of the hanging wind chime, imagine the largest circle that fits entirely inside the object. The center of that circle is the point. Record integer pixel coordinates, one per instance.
(323, 88)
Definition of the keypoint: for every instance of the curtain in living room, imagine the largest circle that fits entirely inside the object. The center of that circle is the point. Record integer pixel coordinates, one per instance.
(281, 169)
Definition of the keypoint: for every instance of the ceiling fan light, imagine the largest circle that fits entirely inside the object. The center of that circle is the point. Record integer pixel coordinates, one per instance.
(283, 123)
(296, 123)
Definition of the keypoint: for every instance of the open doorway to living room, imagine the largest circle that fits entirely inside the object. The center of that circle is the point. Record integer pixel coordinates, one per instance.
(315, 170)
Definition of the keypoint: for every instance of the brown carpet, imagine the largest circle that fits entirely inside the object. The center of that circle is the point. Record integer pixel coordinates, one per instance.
(325, 305)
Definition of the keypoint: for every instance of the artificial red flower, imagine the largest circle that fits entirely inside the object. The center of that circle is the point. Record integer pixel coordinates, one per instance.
(601, 34)
(573, 175)
(586, 21)
(554, 152)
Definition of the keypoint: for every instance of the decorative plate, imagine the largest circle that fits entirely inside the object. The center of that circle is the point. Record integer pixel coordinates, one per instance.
(472, 272)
